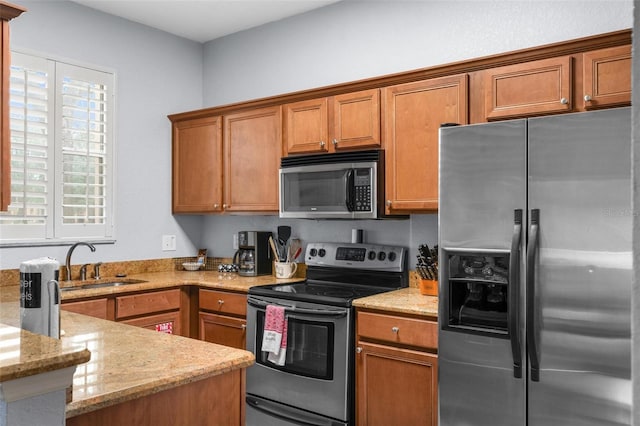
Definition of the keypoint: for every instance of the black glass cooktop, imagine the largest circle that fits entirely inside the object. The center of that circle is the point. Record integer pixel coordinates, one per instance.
(330, 294)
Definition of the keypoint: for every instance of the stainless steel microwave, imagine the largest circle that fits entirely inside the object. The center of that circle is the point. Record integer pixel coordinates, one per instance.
(345, 185)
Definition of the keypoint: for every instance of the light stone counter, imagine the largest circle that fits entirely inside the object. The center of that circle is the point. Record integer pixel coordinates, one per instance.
(405, 301)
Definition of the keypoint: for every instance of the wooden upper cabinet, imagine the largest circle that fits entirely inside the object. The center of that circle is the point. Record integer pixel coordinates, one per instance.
(252, 152)
(412, 115)
(197, 165)
(330, 124)
(606, 77)
(530, 88)
(8, 11)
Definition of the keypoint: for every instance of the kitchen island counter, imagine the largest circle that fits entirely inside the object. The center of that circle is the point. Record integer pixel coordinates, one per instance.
(129, 363)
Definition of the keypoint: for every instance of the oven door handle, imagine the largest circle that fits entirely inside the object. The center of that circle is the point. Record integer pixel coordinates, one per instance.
(296, 310)
(286, 413)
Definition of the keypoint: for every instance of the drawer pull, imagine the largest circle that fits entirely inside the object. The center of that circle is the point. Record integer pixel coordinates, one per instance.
(395, 329)
(220, 302)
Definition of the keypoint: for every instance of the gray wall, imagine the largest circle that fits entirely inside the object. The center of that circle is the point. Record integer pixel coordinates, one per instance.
(159, 74)
(355, 39)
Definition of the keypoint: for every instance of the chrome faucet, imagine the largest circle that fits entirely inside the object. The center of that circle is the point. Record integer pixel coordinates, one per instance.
(70, 252)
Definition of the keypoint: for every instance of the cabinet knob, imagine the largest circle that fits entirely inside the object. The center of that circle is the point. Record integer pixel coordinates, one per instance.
(335, 142)
(243, 327)
(224, 206)
(395, 329)
(220, 302)
(215, 206)
(322, 144)
(587, 98)
(358, 349)
(564, 101)
(389, 203)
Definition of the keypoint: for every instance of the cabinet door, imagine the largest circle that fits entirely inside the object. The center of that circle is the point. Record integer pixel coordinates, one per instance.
(97, 308)
(252, 148)
(395, 386)
(356, 120)
(168, 322)
(412, 116)
(223, 330)
(530, 88)
(607, 77)
(197, 166)
(306, 127)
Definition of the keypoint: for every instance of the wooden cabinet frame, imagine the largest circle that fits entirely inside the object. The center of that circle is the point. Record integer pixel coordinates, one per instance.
(8, 12)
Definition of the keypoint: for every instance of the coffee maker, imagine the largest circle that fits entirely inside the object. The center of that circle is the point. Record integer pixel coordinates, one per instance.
(253, 256)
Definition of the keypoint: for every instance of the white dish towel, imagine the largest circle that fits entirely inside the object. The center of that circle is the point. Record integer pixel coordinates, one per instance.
(274, 337)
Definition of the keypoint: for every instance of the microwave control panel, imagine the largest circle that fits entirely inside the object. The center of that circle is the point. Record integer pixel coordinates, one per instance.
(362, 183)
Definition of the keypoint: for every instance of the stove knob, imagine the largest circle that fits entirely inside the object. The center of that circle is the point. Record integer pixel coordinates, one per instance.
(382, 256)
(392, 256)
(313, 252)
(372, 255)
(322, 252)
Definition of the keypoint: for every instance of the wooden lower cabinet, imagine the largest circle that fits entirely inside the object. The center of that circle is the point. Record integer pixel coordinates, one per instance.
(396, 370)
(168, 322)
(395, 386)
(98, 308)
(223, 330)
(217, 400)
(223, 317)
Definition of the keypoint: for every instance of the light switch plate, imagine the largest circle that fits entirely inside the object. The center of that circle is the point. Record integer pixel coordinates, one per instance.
(168, 243)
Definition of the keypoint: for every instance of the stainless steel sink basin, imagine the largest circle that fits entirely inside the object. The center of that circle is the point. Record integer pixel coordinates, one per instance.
(101, 284)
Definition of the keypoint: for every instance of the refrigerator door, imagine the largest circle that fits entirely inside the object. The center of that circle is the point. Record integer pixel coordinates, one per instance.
(482, 184)
(580, 184)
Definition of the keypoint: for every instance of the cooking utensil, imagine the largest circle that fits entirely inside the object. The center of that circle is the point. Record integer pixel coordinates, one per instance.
(274, 249)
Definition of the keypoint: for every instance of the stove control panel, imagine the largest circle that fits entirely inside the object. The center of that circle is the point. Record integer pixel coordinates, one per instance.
(357, 256)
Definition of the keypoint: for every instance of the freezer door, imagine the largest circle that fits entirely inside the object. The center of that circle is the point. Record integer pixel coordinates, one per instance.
(482, 184)
(580, 184)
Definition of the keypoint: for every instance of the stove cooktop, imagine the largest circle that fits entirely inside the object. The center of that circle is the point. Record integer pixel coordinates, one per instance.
(323, 293)
(337, 273)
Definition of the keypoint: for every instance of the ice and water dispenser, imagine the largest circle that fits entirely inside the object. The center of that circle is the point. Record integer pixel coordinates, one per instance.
(478, 291)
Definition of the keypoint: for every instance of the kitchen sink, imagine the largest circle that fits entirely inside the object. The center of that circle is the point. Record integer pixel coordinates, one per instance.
(115, 283)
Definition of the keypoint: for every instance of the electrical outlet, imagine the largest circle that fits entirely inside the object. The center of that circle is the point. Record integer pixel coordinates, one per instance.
(168, 243)
(235, 241)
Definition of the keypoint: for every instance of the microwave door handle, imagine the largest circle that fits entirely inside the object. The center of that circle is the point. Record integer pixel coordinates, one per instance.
(350, 190)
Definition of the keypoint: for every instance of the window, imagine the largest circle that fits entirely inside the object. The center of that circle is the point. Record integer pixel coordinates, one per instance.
(62, 148)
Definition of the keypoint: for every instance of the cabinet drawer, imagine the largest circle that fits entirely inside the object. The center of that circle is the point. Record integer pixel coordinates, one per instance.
(400, 330)
(223, 302)
(94, 308)
(146, 303)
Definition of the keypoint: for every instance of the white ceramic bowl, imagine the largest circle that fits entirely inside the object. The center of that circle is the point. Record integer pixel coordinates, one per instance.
(191, 266)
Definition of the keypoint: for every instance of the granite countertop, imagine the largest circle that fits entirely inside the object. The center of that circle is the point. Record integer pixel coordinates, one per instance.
(168, 279)
(404, 301)
(117, 370)
(24, 354)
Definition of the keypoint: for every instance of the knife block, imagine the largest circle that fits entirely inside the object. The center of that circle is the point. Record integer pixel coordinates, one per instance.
(428, 287)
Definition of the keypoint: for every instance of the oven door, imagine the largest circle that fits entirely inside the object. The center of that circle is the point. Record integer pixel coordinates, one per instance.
(316, 372)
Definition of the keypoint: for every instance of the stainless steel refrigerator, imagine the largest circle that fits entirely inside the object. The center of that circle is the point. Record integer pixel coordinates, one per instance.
(535, 271)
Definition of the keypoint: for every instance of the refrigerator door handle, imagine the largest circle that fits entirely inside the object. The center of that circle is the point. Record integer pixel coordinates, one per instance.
(514, 294)
(531, 275)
